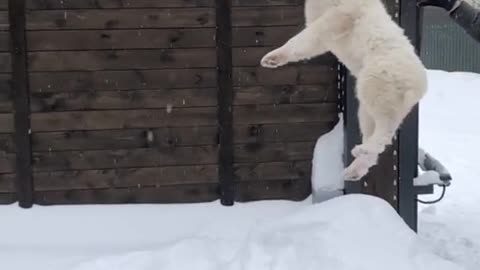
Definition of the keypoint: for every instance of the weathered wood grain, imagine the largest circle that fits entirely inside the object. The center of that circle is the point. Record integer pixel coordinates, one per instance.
(6, 123)
(297, 151)
(296, 190)
(93, 120)
(285, 113)
(272, 171)
(168, 194)
(5, 62)
(4, 22)
(262, 36)
(120, 18)
(135, 99)
(154, 99)
(251, 56)
(295, 75)
(7, 198)
(285, 94)
(271, 16)
(124, 138)
(121, 80)
(4, 41)
(159, 176)
(125, 178)
(252, 135)
(7, 162)
(121, 59)
(101, 4)
(177, 78)
(110, 159)
(7, 183)
(267, 2)
(6, 143)
(119, 39)
(6, 94)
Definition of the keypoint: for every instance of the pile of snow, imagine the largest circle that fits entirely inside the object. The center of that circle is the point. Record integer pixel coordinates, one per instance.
(346, 233)
(328, 165)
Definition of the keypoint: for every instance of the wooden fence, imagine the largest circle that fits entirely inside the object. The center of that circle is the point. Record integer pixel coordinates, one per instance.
(149, 101)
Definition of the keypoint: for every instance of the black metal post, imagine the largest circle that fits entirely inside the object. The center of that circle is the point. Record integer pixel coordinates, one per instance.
(225, 100)
(24, 183)
(408, 133)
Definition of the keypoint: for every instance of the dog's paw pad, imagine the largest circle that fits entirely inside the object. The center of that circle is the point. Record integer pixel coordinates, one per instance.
(274, 59)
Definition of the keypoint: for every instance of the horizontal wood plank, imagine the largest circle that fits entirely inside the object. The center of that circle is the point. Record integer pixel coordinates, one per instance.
(288, 113)
(6, 123)
(297, 190)
(4, 22)
(121, 80)
(137, 99)
(7, 183)
(253, 135)
(272, 171)
(8, 198)
(124, 178)
(101, 4)
(262, 36)
(4, 41)
(285, 94)
(94, 120)
(294, 75)
(251, 56)
(120, 18)
(298, 151)
(168, 194)
(124, 139)
(159, 177)
(6, 143)
(271, 16)
(247, 3)
(154, 99)
(121, 60)
(7, 162)
(5, 62)
(119, 39)
(110, 159)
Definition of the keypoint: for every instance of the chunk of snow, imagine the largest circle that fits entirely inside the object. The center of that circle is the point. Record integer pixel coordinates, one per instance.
(328, 165)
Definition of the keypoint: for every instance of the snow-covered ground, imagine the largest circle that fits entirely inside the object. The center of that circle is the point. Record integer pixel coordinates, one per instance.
(450, 131)
(353, 232)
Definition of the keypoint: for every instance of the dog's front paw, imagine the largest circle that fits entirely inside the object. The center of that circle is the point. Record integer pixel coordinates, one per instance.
(354, 172)
(275, 59)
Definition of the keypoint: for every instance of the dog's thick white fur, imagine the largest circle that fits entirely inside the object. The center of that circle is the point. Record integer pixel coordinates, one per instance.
(391, 79)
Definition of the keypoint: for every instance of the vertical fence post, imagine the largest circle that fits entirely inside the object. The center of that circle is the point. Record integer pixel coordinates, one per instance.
(408, 133)
(24, 182)
(225, 100)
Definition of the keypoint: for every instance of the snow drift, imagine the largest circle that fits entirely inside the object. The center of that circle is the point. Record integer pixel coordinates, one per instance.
(346, 233)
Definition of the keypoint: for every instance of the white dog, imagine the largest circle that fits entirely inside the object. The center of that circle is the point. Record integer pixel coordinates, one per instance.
(391, 79)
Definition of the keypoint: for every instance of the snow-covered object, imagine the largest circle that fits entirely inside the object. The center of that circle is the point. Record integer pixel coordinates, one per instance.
(351, 232)
(428, 163)
(328, 165)
(428, 178)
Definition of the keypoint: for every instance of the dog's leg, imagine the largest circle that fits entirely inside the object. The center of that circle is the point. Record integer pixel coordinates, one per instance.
(366, 123)
(310, 42)
(303, 46)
